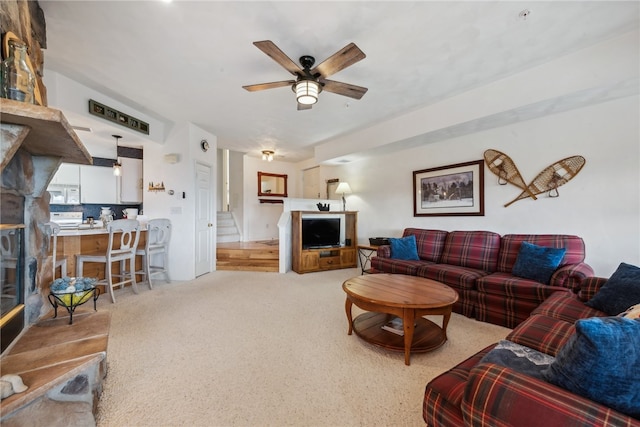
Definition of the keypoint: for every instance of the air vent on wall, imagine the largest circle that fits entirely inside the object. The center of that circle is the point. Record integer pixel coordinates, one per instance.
(116, 116)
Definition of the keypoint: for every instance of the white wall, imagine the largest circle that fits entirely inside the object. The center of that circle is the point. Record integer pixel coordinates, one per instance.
(72, 98)
(260, 219)
(185, 140)
(601, 204)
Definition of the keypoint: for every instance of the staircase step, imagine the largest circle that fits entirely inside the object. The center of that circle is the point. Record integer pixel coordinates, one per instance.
(248, 259)
(228, 238)
(227, 232)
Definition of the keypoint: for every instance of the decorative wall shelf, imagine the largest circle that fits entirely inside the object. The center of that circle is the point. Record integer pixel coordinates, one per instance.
(156, 186)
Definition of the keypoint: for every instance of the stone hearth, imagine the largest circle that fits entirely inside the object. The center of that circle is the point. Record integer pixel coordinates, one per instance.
(64, 367)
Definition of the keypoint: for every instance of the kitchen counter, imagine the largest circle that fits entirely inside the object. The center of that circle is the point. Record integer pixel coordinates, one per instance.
(89, 241)
(85, 230)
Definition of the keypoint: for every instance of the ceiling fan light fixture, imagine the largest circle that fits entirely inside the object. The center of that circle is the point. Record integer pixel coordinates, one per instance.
(307, 92)
(267, 155)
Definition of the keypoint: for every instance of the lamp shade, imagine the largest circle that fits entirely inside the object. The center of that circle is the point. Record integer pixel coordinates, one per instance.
(307, 92)
(343, 188)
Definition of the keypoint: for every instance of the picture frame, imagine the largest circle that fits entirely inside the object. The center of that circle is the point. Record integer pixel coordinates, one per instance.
(452, 190)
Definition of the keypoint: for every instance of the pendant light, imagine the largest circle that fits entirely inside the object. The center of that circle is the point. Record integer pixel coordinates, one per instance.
(117, 167)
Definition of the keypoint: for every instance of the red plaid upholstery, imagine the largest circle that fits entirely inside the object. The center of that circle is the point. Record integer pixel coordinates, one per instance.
(396, 266)
(507, 312)
(542, 333)
(507, 286)
(443, 395)
(507, 300)
(497, 396)
(490, 395)
(428, 242)
(384, 251)
(461, 279)
(478, 265)
(571, 276)
(589, 287)
(466, 303)
(510, 246)
(566, 306)
(473, 249)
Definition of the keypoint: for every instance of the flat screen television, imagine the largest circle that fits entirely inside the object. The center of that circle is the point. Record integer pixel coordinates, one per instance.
(320, 232)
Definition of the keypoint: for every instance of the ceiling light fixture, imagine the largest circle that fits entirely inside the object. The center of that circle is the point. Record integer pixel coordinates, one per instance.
(268, 155)
(117, 167)
(307, 91)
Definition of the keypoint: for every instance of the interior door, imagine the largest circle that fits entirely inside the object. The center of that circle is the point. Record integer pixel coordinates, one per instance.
(204, 221)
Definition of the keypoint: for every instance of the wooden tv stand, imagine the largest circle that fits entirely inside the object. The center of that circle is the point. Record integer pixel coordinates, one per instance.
(322, 259)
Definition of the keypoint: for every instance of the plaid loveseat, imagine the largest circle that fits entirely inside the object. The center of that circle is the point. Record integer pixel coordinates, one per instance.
(478, 393)
(478, 264)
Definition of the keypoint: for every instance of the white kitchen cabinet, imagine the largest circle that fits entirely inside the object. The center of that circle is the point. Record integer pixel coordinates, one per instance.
(67, 174)
(98, 185)
(131, 180)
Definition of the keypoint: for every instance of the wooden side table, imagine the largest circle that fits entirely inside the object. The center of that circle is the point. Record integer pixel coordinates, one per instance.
(365, 252)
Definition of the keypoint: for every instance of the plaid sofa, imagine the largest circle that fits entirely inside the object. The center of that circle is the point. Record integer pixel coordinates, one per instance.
(508, 300)
(476, 393)
(478, 264)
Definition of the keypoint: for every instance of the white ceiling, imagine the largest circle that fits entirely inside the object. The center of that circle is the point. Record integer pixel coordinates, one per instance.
(188, 60)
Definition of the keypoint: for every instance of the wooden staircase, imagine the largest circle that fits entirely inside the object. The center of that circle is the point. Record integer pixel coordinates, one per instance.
(248, 256)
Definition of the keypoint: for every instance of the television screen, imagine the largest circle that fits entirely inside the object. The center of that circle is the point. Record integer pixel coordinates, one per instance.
(320, 232)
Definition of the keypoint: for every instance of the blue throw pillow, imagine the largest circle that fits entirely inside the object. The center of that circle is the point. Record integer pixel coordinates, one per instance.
(621, 291)
(601, 362)
(537, 262)
(404, 248)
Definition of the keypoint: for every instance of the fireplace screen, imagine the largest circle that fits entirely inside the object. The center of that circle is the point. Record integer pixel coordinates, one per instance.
(11, 280)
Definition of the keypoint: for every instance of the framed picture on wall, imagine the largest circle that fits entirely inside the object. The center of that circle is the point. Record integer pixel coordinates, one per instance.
(453, 190)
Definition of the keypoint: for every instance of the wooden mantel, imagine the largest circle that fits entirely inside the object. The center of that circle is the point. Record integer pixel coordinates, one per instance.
(41, 131)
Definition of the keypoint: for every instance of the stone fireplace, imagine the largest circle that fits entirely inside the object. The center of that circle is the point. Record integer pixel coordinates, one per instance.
(35, 141)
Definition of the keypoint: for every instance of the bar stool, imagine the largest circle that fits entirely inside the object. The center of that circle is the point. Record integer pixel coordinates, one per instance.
(158, 238)
(121, 253)
(53, 229)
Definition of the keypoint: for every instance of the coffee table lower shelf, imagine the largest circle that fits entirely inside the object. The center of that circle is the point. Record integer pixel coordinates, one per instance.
(427, 335)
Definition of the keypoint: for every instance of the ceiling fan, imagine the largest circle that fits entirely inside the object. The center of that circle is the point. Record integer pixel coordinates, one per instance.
(309, 81)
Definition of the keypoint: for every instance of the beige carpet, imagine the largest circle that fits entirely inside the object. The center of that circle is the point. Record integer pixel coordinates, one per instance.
(262, 349)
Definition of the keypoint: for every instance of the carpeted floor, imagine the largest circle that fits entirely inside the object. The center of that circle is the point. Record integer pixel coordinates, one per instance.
(247, 349)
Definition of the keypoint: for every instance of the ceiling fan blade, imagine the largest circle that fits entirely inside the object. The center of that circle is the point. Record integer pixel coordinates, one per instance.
(274, 52)
(304, 106)
(272, 85)
(345, 89)
(348, 55)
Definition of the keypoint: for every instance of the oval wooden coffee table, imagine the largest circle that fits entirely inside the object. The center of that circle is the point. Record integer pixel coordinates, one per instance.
(386, 296)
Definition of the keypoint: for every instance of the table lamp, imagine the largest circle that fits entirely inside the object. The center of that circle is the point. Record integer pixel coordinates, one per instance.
(343, 188)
